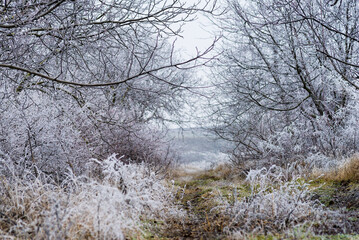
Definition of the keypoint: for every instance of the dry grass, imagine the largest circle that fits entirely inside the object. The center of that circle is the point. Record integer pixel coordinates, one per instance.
(184, 173)
(116, 207)
(224, 172)
(348, 170)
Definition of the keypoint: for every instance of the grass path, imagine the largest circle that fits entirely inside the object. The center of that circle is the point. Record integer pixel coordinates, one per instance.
(197, 198)
(198, 191)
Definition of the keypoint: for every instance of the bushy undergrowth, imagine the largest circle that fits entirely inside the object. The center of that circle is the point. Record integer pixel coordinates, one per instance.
(112, 202)
(55, 134)
(279, 201)
(345, 170)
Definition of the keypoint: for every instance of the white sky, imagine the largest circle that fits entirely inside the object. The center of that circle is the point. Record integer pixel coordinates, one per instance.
(198, 33)
(195, 35)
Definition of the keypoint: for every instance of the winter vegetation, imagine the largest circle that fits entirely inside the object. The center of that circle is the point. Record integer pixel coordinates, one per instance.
(84, 80)
(279, 201)
(292, 66)
(89, 89)
(113, 200)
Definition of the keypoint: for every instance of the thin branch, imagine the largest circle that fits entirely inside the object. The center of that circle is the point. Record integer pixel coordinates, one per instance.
(180, 65)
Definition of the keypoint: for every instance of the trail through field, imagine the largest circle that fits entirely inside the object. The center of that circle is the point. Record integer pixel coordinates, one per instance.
(199, 152)
(200, 193)
(197, 198)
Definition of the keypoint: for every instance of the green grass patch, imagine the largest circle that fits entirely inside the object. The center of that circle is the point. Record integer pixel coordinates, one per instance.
(305, 236)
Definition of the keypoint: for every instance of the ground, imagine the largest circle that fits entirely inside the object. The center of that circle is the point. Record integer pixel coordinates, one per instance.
(198, 191)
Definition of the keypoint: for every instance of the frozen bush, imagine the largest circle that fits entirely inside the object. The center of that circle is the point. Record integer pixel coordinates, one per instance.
(138, 143)
(276, 204)
(343, 170)
(54, 135)
(86, 207)
(321, 161)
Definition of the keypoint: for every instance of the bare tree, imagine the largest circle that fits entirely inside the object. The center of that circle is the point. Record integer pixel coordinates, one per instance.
(82, 43)
(289, 78)
(86, 78)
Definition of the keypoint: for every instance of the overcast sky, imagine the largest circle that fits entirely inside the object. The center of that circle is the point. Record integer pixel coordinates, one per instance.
(198, 33)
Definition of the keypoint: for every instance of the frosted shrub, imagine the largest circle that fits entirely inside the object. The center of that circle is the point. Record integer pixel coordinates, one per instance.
(320, 161)
(140, 145)
(85, 207)
(55, 133)
(275, 204)
(343, 170)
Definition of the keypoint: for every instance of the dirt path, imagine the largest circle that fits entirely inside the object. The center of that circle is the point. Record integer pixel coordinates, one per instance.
(197, 198)
(199, 192)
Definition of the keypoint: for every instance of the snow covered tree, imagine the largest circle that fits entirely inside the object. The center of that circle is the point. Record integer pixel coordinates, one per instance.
(289, 78)
(85, 78)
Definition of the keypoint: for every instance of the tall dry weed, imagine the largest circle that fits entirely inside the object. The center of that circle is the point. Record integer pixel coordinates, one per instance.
(83, 207)
(347, 170)
(278, 201)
